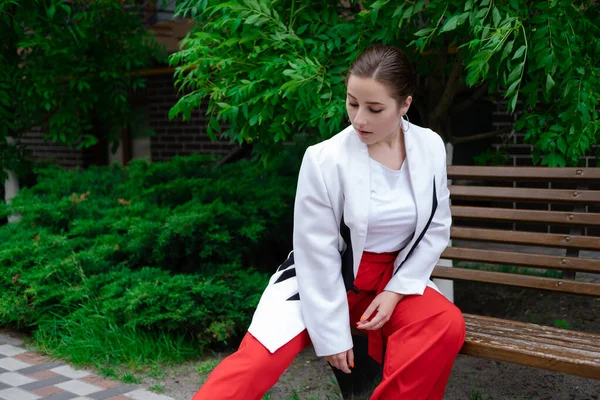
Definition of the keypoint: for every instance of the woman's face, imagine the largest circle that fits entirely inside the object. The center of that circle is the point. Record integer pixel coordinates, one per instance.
(374, 114)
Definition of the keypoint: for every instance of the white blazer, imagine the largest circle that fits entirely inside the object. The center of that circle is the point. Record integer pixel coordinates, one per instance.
(331, 211)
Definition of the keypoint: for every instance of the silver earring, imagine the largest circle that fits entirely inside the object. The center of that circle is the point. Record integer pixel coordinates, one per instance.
(407, 121)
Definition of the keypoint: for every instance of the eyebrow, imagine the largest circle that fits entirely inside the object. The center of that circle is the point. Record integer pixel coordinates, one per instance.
(368, 102)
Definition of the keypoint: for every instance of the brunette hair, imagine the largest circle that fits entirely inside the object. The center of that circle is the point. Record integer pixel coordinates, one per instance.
(388, 65)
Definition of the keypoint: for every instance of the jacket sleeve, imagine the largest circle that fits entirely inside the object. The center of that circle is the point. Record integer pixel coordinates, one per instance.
(318, 263)
(414, 273)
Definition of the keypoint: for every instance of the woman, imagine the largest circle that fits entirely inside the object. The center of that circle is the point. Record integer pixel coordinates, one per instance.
(371, 219)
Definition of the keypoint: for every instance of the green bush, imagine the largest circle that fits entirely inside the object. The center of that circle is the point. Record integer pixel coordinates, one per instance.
(160, 249)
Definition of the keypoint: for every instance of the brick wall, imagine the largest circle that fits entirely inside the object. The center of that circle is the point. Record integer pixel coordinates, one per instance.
(519, 152)
(41, 149)
(176, 136)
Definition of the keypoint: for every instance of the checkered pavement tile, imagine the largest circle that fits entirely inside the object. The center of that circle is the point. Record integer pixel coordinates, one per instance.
(26, 375)
(10, 350)
(15, 379)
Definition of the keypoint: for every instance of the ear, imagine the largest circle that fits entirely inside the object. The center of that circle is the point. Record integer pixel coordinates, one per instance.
(404, 108)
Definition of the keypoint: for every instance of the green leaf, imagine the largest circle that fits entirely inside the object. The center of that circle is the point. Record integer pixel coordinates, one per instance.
(235, 24)
(408, 12)
(516, 73)
(398, 11)
(253, 120)
(302, 29)
(468, 5)
(512, 88)
(51, 11)
(519, 52)
(252, 19)
(561, 144)
(549, 83)
(512, 105)
(264, 7)
(496, 16)
(378, 4)
(507, 49)
(424, 32)
(450, 24)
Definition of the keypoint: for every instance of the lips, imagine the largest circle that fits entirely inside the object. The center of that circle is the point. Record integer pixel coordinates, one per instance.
(363, 133)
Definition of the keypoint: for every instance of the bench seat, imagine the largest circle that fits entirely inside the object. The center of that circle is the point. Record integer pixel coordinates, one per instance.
(561, 350)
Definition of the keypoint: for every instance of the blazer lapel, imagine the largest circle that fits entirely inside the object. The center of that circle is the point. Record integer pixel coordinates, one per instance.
(421, 181)
(357, 195)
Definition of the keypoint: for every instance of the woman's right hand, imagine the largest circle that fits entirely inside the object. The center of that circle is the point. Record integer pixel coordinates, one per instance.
(342, 361)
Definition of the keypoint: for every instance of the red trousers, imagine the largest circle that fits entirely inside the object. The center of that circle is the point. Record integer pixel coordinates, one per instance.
(423, 337)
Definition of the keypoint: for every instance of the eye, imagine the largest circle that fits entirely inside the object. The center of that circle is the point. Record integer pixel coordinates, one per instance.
(352, 104)
(375, 111)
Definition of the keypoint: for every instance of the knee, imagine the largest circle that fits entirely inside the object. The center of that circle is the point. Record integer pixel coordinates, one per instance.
(452, 319)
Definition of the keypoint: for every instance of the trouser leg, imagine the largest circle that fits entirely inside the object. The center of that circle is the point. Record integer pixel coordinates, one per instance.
(251, 371)
(424, 335)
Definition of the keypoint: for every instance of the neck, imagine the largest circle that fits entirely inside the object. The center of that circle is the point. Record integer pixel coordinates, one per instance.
(393, 141)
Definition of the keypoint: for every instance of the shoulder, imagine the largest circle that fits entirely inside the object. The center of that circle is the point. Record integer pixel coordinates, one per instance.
(427, 141)
(332, 151)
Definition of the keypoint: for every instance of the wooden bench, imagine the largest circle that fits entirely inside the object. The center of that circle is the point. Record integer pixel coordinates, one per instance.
(532, 217)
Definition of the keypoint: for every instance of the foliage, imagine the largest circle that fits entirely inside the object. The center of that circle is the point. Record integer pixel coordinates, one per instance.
(160, 248)
(275, 68)
(492, 157)
(68, 66)
(561, 323)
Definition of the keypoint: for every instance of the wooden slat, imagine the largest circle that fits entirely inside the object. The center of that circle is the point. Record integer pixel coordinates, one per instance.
(523, 259)
(524, 173)
(549, 348)
(569, 339)
(524, 194)
(558, 285)
(507, 214)
(527, 238)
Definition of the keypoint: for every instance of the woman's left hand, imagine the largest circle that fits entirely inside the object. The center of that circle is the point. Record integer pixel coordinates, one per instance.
(384, 304)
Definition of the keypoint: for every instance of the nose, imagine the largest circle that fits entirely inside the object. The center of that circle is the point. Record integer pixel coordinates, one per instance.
(360, 119)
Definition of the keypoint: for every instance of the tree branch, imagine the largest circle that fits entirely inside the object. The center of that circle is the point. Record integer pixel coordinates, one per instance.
(450, 89)
(480, 136)
(480, 91)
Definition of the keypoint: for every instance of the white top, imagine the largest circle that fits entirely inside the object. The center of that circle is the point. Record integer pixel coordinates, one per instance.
(392, 211)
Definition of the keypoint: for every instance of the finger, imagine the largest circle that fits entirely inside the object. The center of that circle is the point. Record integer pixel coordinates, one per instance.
(333, 362)
(372, 307)
(376, 323)
(351, 358)
(344, 364)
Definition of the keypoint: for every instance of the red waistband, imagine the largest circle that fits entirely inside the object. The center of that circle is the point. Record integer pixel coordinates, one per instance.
(379, 257)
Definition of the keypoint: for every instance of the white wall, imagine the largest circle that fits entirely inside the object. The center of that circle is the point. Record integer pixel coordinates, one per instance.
(446, 286)
(140, 150)
(11, 186)
(169, 10)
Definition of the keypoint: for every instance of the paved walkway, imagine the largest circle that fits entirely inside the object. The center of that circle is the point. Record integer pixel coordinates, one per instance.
(25, 375)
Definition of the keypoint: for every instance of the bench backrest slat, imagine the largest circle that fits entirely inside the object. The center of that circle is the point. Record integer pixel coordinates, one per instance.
(526, 238)
(524, 194)
(508, 214)
(580, 175)
(522, 259)
(559, 285)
